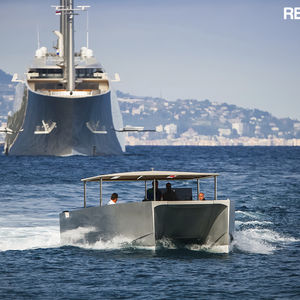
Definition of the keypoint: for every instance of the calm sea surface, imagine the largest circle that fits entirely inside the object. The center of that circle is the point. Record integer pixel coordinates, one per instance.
(264, 263)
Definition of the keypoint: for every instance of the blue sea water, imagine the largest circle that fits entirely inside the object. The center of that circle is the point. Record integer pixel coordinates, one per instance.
(264, 263)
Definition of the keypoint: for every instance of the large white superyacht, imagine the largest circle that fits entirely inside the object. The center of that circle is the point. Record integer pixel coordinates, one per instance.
(66, 105)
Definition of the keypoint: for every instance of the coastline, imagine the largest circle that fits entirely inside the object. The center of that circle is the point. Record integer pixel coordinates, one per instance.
(231, 143)
(212, 141)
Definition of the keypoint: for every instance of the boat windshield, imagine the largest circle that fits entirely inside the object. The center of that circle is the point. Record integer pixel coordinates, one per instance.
(58, 72)
(46, 73)
(88, 72)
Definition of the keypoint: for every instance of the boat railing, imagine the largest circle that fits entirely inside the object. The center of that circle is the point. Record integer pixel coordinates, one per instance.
(64, 93)
(67, 93)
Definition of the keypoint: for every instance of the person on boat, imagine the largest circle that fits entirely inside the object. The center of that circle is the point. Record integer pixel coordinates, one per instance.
(113, 199)
(150, 192)
(201, 196)
(169, 194)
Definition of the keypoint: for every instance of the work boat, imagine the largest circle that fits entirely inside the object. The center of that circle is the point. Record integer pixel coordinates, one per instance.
(65, 104)
(183, 221)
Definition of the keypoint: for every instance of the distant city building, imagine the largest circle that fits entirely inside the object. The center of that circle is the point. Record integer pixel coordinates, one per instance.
(224, 131)
(297, 126)
(159, 128)
(170, 128)
(138, 110)
(238, 127)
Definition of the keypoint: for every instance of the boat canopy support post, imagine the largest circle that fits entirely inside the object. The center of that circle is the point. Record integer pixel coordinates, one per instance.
(215, 188)
(198, 187)
(84, 194)
(146, 189)
(101, 192)
(154, 190)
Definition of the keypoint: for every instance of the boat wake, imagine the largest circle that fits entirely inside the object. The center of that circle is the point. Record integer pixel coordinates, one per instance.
(78, 238)
(73, 153)
(45, 237)
(26, 238)
(166, 243)
(253, 234)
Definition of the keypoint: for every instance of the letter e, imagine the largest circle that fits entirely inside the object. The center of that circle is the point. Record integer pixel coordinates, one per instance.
(297, 13)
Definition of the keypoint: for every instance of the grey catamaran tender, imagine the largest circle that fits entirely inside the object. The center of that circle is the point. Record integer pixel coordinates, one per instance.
(146, 223)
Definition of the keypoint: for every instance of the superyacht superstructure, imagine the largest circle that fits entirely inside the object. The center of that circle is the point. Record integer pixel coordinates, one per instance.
(66, 105)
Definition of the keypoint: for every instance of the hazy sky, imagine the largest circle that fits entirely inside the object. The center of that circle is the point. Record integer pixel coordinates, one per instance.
(237, 51)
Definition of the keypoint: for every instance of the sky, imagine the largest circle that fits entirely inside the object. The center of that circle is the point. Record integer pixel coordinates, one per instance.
(237, 51)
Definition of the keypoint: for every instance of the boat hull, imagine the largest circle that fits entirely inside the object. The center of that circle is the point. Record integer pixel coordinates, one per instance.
(61, 126)
(209, 223)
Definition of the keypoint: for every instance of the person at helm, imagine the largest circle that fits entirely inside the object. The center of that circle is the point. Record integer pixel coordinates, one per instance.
(169, 194)
(150, 192)
(113, 199)
(201, 196)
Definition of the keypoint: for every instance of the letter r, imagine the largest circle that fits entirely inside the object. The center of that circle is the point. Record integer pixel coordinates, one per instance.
(288, 11)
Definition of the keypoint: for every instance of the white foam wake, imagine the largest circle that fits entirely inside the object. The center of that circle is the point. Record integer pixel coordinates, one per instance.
(166, 243)
(254, 222)
(211, 249)
(254, 234)
(74, 152)
(24, 238)
(42, 237)
(115, 243)
(77, 238)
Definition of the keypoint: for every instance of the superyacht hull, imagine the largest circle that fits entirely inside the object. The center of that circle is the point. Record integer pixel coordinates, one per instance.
(61, 126)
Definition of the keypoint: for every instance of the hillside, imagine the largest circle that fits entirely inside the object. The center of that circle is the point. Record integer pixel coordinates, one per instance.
(195, 122)
(5, 78)
(7, 90)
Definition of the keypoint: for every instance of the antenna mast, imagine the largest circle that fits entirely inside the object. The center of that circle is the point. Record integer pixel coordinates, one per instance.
(38, 37)
(67, 12)
(69, 58)
(87, 29)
